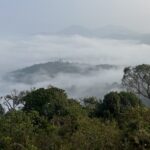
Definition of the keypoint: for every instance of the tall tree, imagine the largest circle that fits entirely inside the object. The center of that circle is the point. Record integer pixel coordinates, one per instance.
(48, 102)
(137, 80)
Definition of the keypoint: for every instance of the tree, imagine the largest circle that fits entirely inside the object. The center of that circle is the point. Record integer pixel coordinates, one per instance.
(49, 120)
(115, 103)
(128, 100)
(134, 124)
(111, 104)
(47, 102)
(90, 102)
(94, 134)
(137, 80)
(2, 110)
(13, 100)
(16, 131)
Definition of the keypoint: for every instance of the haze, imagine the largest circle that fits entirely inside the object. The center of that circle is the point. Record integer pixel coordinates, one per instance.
(42, 16)
(20, 53)
(81, 31)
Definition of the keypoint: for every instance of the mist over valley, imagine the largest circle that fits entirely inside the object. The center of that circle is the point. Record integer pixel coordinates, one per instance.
(80, 61)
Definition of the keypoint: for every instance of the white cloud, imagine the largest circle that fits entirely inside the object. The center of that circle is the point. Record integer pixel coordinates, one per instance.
(20, 53)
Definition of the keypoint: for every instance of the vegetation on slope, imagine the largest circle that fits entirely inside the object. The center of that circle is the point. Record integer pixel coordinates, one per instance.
(46, 119)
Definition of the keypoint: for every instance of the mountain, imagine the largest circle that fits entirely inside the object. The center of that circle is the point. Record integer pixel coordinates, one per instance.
(49, 70)
(76, 30)
(108, 32)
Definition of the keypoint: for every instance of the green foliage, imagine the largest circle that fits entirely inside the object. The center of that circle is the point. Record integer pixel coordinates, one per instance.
(137, 80)
(2, 110)
(111, 104)
(94, 134)
(90, 104)
(50, 120)
(47, 102)
(116, 103)
(16, 130)
(129, 100)
(136, 129)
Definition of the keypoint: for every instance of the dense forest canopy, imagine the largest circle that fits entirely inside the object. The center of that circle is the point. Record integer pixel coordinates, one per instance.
(46, 119)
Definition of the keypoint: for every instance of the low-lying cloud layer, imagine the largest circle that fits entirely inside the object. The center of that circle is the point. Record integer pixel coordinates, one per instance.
(20, 53)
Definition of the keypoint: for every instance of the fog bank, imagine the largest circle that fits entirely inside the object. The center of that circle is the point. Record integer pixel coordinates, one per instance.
(17, 53)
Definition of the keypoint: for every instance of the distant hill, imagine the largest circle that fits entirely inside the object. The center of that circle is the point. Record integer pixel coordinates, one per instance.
(76, 30)
(106, 31)
(109, 32)
(40, 72)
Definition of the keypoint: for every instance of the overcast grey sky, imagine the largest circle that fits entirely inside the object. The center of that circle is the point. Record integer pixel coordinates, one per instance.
(36, 16)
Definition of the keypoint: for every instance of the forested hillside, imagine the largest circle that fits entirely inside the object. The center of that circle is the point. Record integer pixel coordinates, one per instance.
(50, 70)
(46, 119)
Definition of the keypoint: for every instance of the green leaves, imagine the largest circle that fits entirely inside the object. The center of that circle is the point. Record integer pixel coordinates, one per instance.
(115, 103)
(50, 120)
(47, 102)
(137, 80)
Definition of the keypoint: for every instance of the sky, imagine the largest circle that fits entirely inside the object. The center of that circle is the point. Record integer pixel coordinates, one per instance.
(44, 16)
(33, 18)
